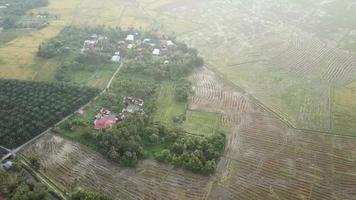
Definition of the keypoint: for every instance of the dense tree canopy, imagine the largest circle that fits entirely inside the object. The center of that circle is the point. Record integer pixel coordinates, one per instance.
(14, 185)
(131, 139)
(82, 195)
(17, 8)
(28, 107)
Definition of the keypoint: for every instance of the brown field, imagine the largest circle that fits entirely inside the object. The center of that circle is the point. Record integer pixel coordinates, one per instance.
(264, 159)
(70, 164)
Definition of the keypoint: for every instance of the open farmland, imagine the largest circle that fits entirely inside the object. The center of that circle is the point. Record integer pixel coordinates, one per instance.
(271, 49)
(70, 165)
(277, 55)
(293, 66)
(264, 158)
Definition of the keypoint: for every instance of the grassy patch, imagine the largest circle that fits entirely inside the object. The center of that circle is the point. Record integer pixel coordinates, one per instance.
(167, 106)
(201, 123)
(150, 151)
(98, 78)
(8, 36)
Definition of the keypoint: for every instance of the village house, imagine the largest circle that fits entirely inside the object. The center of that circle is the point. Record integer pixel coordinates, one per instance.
(92, 43)
(116, 57)
(130, 38)
(130, 46)
(156, 52)
(132, 105)
(104, 119)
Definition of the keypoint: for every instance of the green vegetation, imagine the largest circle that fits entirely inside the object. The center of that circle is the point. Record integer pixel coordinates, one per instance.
(201, 123)
(92, 68)
(154, 134)
(35, 106)
(15, 9)
(167, 107)
(15, 22)
(17, 184)
(82, 195)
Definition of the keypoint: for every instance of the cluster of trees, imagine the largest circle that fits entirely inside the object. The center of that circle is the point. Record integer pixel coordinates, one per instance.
(183, 89)
(181, 64)
(66, 48)
(130, 86)
(28, 107)
(126, 144)
(14, 185)
(198, 154)
(123, 144)
(84, 195)
(18, 8)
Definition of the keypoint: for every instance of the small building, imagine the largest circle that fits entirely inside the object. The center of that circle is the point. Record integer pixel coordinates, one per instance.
(156, 52)
(132, 101)
(146, 40)
(133, 108)
(102, 37)
(1, 197)
(115, 58)
(130, 38)
(130, 46)
(90, 43)
(170, 43)
(105, 122)
(41, 16)
(7, 165)
(120, 43)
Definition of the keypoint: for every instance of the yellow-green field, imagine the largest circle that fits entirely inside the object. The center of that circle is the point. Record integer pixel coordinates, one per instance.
(295, 78)
(201, 123)
(18, 57)
(167, 106)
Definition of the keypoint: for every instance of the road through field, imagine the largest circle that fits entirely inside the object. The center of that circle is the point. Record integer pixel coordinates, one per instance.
(283, 60)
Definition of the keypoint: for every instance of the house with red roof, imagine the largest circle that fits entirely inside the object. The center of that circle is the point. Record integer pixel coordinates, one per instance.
(105, 122)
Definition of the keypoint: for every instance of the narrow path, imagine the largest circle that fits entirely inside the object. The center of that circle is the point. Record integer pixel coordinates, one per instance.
(6, 149)
(43, 179)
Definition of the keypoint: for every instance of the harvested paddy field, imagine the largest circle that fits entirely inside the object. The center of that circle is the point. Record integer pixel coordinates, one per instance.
(272, 50)
(70, 164)
(276, 52)
(263, 159)
(290, 73)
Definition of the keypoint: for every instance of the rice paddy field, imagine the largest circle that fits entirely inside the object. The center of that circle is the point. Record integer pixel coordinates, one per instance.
(270, 49)
(280, 75)
(263, 159)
